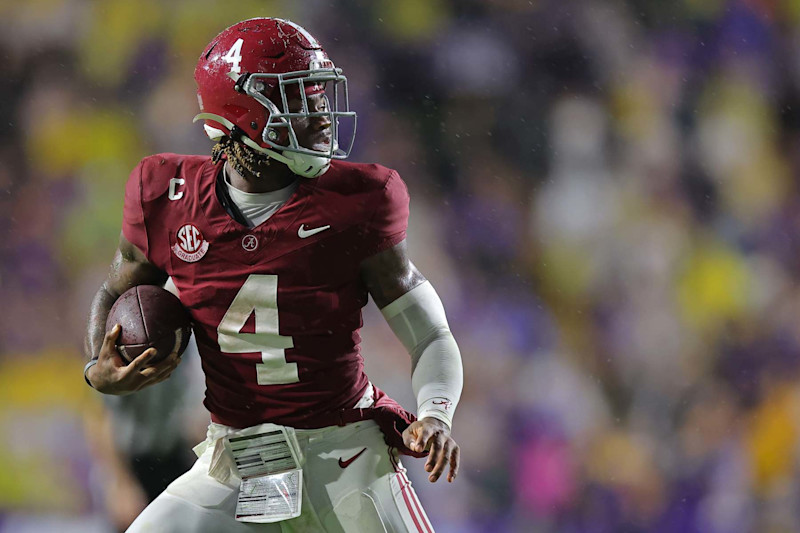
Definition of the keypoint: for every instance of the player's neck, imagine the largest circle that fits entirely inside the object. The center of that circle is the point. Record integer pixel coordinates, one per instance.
(277, 176)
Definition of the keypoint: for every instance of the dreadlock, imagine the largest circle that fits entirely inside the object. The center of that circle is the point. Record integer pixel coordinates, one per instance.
(242, 158)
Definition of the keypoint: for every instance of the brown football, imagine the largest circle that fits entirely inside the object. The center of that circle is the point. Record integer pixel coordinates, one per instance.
(150, 317)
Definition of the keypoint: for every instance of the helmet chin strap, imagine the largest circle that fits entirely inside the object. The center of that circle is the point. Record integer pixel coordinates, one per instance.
(307, 166)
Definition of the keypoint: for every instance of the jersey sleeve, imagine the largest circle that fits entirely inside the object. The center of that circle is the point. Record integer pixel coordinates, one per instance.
(388, 223)
(133, 224)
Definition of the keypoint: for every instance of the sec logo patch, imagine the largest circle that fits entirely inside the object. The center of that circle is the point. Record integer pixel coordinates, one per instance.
(191, 246)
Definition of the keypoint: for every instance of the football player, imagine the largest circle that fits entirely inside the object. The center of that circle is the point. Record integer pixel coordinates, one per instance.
(274, 243)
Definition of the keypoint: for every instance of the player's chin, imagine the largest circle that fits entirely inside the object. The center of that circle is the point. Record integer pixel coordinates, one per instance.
(321, 146)
(318, 143)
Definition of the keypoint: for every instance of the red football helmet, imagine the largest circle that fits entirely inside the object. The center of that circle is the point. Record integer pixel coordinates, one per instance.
(243, 77)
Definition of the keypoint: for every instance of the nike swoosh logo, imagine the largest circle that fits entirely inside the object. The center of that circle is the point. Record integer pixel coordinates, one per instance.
(303, 233)
(345, 464)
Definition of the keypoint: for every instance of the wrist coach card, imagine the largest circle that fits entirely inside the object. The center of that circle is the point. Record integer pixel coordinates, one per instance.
(272, 480)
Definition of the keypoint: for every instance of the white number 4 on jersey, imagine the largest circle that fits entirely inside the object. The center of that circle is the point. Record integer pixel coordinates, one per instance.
(259, 295)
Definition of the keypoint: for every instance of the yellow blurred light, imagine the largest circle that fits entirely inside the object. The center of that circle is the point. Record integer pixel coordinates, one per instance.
(117, 29)
(38, 382)
(772, 438)
(714, 286)
(66, 142)
(412, 19)
(37, 386)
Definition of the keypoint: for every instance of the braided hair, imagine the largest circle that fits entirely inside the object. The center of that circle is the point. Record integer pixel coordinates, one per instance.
(242, 158)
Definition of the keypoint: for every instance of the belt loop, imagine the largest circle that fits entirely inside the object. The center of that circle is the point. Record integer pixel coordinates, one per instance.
(341, 418)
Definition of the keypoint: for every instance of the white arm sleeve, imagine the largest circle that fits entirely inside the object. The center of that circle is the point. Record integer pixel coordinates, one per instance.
(437, 377)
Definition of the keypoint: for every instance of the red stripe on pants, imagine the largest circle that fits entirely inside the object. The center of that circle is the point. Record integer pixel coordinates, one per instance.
(417, 505)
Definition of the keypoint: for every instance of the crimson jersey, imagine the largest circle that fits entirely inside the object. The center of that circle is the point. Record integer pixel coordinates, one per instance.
(276, 308)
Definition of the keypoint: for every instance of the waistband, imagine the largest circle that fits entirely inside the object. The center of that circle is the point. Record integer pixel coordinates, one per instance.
(340, 417)
(311, 426)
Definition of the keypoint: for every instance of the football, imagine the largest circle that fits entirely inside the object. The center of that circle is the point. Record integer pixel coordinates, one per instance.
(150, 317)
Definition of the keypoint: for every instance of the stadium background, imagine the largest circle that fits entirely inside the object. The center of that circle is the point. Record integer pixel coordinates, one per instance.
(604, 193)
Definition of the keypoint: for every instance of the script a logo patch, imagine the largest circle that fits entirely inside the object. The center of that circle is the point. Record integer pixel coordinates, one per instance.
(191, 246)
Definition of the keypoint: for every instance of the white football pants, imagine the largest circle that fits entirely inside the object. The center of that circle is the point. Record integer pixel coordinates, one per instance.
(371, 494)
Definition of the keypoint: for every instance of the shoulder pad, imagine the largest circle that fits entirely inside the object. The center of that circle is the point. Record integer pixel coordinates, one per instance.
(355, 177)
(159, 169)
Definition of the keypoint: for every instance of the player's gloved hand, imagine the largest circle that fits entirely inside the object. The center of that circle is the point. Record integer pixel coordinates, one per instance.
(112, 376)
(433, 435)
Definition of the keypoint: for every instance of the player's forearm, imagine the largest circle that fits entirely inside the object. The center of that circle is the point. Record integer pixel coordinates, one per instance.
(418, 319)
(96, 327)
(437, 378)
(129, 268)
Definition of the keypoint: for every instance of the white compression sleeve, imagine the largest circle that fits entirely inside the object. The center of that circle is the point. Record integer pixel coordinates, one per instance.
(418, 319)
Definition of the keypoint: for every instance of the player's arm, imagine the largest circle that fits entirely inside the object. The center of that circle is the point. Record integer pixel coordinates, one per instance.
(109, 374)
(416, 315)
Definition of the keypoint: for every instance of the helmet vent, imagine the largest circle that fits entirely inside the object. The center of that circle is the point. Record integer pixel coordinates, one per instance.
(211, 49)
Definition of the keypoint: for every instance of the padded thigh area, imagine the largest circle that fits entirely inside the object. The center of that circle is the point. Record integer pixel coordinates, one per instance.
(355, 512)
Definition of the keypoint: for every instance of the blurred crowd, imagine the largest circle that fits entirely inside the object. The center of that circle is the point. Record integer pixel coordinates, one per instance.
(604, 193)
